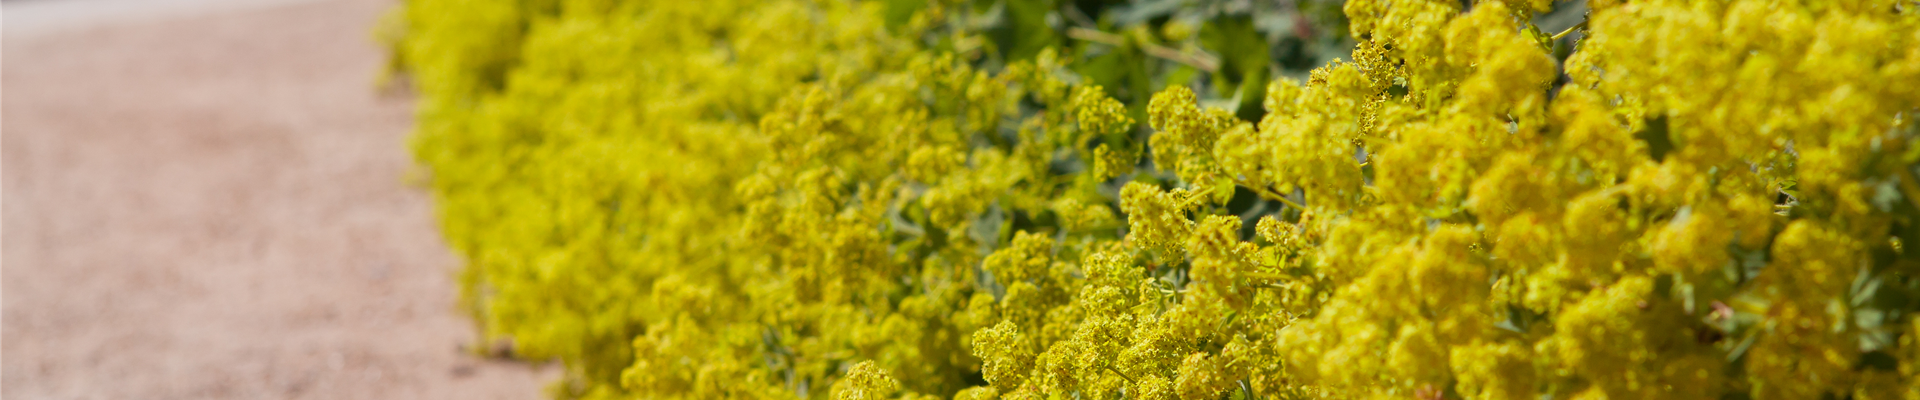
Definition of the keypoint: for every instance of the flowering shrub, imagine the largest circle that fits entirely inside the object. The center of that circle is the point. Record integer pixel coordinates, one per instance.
(804, 199)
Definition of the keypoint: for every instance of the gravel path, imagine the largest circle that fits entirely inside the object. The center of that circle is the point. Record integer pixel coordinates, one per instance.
(210, 205)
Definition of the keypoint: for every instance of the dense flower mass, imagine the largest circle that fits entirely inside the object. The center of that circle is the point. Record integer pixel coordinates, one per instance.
(861, 200)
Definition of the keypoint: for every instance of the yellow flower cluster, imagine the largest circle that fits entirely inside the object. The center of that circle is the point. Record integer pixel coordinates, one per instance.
(810, 199)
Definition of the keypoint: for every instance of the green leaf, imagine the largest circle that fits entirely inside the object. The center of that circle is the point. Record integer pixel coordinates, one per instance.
(900, 11)
(1026, 31)
(1241, 49)
(1879, 360)
(1253, 95)
(1107, 68)
(1659, 141)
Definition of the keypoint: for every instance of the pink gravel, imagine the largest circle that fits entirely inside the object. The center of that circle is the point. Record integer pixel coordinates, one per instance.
(210, 205)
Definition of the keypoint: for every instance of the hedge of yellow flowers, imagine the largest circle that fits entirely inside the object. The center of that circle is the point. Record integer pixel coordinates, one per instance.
(862, 200)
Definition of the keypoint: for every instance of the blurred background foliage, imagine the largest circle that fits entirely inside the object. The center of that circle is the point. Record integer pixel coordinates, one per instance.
(1134, 48)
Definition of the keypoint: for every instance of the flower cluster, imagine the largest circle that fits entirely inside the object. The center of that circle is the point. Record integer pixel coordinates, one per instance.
(810, 199)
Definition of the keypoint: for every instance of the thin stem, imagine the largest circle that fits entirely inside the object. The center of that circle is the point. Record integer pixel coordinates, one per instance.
(1074, 14)
(1570, 30)
(1201, 60)
(1269, 193)
(1117, 372)
(1908, 186)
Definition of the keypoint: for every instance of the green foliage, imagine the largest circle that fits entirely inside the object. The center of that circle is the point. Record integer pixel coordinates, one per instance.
(809, 199)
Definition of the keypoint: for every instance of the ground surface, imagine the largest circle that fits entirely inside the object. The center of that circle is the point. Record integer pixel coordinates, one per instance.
(206, 202)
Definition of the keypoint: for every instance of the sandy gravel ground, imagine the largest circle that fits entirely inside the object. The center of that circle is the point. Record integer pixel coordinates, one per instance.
(210, 206)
